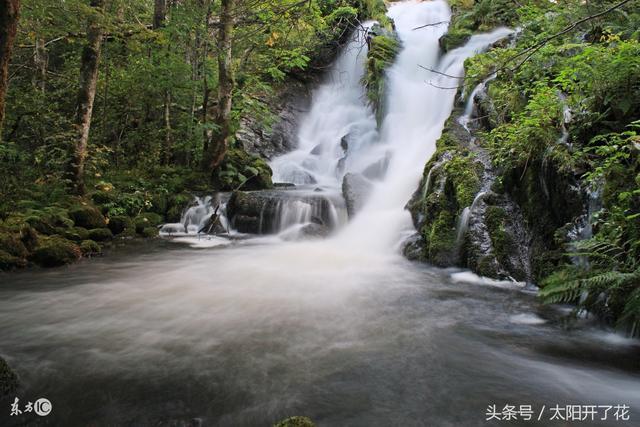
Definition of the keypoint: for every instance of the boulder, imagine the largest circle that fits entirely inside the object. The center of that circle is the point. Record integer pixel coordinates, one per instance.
(100, 234)
(355, 189)
(87, 217)
(56, 251)
(90, 248)
(118, 224)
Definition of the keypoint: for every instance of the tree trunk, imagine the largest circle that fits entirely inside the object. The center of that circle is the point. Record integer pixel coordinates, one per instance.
(159, 13)
(41, 61)
(168, 142)
(86, 95)
(9, 11)
(218, 146)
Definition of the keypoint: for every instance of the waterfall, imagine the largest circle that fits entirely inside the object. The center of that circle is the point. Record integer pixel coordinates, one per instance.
(419, 104)
(340, 134)
(469, 108)
(339, 127)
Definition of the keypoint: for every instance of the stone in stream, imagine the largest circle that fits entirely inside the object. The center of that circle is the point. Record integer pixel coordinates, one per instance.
(355, 189)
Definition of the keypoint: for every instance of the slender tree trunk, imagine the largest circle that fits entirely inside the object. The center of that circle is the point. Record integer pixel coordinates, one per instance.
(168, 141)
(206, 133)
(159, 19)
(9, 12)
(159, 13)
(40, 60)
(86, 95)
(220, 143)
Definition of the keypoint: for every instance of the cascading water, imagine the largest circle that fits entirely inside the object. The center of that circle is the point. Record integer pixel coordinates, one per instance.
(416, 114)
(197, 217)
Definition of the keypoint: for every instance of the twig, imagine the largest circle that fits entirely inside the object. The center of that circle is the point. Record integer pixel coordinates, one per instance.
(430, 25)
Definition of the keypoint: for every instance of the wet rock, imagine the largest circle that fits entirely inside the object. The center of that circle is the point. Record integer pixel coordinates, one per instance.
(414, 248)
(378, 169)
(9, 381)
(355, 189)
(288, 105)
(314, 230)
(150, 232)
(317, 150)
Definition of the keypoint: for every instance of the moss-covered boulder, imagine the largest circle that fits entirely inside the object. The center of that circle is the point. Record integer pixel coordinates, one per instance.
(90, 248)
(12, 244)
(55, 251)
(385, 46)
(10, 262)
(100, 234)
(295, 422)
(118, 224)
(241, 170)
(9, 381)
(87, 216)
(150, 232)
(77, 234)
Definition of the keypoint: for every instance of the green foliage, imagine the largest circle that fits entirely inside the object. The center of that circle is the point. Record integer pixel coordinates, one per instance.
(381, 55)
(513, 145)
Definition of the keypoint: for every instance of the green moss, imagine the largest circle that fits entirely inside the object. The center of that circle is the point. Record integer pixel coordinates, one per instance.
(441, 239)
(465, 174)
(455, 38)
(295, 422)
(55, 251)
(9, 381)
(100, 234)
(77, 234)
(90, 248)
(87, 216)
(381, 55)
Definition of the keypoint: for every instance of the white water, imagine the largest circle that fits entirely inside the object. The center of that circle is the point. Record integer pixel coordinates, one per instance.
(417, 109)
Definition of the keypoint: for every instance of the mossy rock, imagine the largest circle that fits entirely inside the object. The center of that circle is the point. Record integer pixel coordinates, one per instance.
(41, 224)
(90, 248)
(243, 170)
(454, 39)
(9, 381)
(148, 219)
(103, 197)
(56, 251)
(77, 234)
(295, 422)
(118, 224)
(149, 232)
(442, 240)
(100, 234)
(12, 244)
(10, 262)
(88, 217)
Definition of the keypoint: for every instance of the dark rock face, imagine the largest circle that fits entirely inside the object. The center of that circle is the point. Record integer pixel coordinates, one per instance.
(268, 212)
(355, 189)
(288, 106)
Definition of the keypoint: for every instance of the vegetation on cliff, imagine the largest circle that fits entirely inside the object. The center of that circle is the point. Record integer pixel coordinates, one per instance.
(560, 124)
